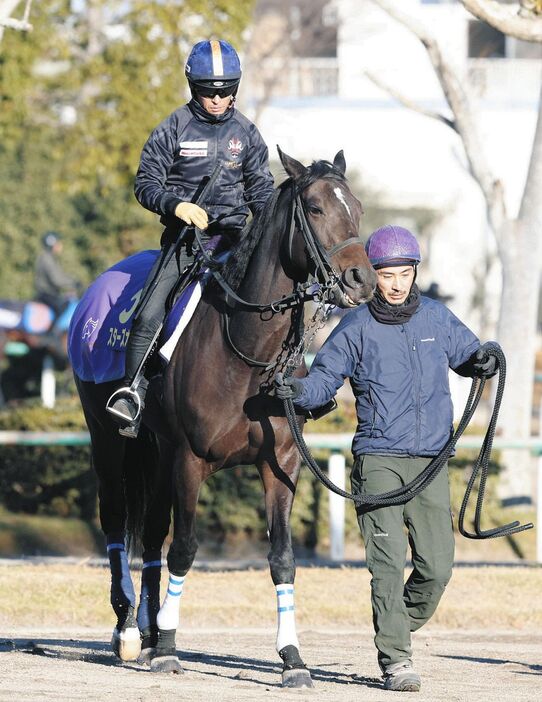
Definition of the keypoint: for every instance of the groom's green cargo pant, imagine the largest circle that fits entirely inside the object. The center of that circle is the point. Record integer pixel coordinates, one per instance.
(426, 522)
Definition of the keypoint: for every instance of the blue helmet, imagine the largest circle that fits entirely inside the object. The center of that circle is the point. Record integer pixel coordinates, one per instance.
(213, 64)
(49, 239)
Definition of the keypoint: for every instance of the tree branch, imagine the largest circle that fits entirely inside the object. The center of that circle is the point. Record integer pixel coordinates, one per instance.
(506, 19)
(407, 102)
(460, 103)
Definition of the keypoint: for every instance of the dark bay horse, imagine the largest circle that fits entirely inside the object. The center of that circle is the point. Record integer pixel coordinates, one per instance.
(211, 408)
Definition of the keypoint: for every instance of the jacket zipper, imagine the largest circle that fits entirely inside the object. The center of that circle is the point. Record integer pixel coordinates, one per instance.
(416, 375)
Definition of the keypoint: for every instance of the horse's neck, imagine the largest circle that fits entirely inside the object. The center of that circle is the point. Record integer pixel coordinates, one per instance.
(264, 282)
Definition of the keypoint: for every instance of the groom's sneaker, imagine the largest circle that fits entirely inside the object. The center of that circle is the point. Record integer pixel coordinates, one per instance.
(400, 677)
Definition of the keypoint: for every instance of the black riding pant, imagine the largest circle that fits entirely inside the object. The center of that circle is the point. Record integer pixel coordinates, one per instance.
(150, 315)
(160, 281)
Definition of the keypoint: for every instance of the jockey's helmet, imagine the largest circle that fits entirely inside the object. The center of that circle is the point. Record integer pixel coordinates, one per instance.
(213, 67)
(392, 246)
(49, 239)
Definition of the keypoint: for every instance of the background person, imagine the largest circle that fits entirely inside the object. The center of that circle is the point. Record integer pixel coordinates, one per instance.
(179, 153)
(397, 351)
(52, 284)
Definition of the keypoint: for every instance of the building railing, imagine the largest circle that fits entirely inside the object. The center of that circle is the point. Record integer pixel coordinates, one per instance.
(506, 79)
(302, 77)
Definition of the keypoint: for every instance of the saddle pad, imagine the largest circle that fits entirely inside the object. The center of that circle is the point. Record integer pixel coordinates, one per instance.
(101, 323)
(30, 317)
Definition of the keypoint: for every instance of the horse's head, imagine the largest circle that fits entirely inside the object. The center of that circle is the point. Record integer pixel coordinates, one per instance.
(330, 215)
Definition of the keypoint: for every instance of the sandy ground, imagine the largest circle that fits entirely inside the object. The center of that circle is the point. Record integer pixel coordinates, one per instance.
(235, 665)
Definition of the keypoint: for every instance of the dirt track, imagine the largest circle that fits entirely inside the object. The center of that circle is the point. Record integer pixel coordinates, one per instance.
(226, 665)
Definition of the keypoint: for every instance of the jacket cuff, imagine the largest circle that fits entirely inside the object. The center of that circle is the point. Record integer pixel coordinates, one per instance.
(466, 369)
(168, 203)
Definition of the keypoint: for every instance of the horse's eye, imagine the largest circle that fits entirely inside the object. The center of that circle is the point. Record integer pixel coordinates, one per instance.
(315, 210)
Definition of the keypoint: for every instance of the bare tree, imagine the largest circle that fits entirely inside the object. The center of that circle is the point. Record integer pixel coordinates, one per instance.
(282, 32)
(7, 7)
(518, 237)
(517, 20)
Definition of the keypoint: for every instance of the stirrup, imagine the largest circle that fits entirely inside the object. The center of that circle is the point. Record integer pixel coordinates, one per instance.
(125, 392)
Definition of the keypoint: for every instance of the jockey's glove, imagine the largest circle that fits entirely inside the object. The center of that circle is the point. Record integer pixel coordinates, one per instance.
(287, 388)
(192, 214)
(484, 362)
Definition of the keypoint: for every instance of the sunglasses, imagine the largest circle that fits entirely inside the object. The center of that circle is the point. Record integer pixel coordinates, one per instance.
(211, 92)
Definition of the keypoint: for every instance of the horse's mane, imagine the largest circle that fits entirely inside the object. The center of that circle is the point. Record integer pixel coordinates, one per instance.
(274, 214)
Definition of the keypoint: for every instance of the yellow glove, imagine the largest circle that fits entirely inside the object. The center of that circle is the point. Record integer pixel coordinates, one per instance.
(191, 214)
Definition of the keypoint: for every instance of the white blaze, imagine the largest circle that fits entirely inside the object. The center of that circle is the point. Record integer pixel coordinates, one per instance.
(340, 196)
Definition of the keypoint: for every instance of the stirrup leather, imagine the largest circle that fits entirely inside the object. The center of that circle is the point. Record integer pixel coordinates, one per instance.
(125, 392)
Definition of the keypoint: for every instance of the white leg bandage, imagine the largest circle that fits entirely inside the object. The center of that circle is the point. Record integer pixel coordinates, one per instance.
(168, 616)
(286, 634)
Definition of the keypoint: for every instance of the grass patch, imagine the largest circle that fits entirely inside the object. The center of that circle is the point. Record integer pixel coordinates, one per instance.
(50, 536)
(78, 596)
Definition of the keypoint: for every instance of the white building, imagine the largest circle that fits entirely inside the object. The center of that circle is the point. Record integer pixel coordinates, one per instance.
(322, 104)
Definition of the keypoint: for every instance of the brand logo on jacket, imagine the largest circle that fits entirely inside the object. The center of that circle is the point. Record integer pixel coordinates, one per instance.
(193, 148)
(432, 338)
(235, 146)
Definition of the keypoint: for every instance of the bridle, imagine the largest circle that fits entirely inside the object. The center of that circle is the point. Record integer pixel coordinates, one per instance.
(324, 283)
(324, 276)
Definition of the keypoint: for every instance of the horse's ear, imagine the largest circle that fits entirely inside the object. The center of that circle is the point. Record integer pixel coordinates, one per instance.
(339, 162)
(293, 168)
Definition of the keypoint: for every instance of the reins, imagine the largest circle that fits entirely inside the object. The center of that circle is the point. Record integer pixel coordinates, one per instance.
(324, 273)
(405, 493)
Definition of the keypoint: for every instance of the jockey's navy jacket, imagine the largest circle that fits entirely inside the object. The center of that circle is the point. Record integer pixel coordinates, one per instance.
(399, 377)
(186, 146)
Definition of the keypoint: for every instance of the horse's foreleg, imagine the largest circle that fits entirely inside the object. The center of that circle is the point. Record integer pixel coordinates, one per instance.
(279, 484)
(181, 554)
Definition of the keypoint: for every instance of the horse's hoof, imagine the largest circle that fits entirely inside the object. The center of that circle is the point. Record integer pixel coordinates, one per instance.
(298, 677)
(146, 655)
(126, 644)
(166, 664)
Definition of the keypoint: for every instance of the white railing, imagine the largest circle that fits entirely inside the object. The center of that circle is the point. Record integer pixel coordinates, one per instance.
(507, 79)
(301, 77)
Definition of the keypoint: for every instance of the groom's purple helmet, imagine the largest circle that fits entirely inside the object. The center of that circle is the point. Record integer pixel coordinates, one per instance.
(392, 246)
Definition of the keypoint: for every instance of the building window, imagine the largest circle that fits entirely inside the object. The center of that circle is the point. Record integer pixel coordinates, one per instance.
(485, 41)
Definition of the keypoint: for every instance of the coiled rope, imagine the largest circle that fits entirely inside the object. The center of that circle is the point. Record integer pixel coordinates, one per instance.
(405, 493)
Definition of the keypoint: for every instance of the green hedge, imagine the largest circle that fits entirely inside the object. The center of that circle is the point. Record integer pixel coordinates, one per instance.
(57, 481)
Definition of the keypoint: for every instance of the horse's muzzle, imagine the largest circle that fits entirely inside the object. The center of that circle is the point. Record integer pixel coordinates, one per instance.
(355, 287)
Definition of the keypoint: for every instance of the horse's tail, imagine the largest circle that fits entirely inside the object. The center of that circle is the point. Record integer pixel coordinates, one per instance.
(141, 480)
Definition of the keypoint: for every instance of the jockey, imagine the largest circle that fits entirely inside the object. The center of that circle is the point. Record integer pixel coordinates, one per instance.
(397, 351)
(53, 286)
(179, 153)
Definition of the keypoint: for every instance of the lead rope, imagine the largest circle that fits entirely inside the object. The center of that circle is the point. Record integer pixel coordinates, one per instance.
(407, 492)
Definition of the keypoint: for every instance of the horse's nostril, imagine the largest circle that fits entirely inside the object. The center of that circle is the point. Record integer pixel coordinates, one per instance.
(353, 277)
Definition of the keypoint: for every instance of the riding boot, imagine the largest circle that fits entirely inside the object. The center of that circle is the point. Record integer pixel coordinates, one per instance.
(126, 407)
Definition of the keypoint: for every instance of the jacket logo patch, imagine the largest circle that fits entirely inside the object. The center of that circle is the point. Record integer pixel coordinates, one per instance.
(235, 146)
(193, 148)
(430, 339)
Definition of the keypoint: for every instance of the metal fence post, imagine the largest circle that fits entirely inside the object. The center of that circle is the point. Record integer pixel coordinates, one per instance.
(336, 472)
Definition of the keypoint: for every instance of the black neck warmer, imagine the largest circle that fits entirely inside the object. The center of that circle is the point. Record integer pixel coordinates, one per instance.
(385, 313)
(202, 115)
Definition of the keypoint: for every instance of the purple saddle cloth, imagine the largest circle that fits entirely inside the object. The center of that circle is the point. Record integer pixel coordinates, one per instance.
(100, 326)
(101, 323)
